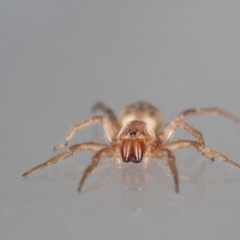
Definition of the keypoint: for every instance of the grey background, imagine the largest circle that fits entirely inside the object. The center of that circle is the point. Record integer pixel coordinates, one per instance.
(57, 59)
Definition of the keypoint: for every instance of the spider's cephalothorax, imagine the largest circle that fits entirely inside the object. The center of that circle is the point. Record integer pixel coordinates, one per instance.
(133, 139)
(138, 122)
(135, 136)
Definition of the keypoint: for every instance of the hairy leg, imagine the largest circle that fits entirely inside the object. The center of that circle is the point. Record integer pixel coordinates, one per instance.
(209, 153)
(91, 146)
(155, 144)
(171, 127)
(106, 122)
(111, 115)
(118, 157)
(166, 135)
(105, 152)
(162, 152)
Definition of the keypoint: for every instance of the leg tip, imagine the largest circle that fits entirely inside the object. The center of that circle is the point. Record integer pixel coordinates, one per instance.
(61, 145)
(25, 174)
(56, 147)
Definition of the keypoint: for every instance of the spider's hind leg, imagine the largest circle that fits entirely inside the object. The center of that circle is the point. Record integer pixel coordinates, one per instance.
(110, 115)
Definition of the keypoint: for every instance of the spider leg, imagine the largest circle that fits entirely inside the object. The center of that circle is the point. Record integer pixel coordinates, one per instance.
(106, 123)
(171, 127)
(105, 152)
(209, 153)
(110, 113)
(167, 135)
(83, 146)
(118, 157)
(161, 152)
(155, 144)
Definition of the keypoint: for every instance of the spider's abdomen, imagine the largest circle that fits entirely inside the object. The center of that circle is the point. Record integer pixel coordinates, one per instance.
(141, 111)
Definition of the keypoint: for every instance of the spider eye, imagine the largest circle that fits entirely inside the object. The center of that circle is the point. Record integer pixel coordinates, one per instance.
(133, 133)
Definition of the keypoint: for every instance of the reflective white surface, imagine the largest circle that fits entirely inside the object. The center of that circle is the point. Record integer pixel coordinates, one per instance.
(58, 59)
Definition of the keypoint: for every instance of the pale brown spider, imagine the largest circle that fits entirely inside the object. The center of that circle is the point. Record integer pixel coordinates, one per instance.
(135, 137)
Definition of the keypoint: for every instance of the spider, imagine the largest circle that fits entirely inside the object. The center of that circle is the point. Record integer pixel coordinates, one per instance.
(135, 136)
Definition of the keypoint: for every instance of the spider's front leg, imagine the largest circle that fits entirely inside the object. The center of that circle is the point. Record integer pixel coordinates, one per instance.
(164, 152)
(105, 152)
(110, 129)
(170, 129)
(91, 146)
(168, 132)
(209, 153)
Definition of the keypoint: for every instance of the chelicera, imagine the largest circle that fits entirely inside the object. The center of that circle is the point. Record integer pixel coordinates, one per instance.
(136, 136)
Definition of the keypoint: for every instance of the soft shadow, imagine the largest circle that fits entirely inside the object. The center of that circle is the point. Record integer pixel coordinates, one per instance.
(134, 187)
